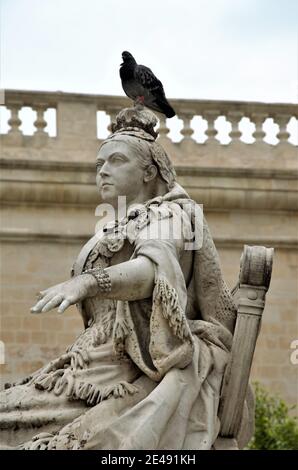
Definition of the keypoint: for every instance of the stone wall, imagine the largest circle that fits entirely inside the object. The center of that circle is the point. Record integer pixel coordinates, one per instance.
(249, 192)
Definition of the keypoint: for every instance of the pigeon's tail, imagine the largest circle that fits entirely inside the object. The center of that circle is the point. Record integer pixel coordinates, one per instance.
(166, 108)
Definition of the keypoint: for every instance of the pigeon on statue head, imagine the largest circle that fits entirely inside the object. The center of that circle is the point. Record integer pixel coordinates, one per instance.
(141, 85)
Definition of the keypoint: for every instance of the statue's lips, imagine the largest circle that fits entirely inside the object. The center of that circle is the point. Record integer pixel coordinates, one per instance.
(106, 184)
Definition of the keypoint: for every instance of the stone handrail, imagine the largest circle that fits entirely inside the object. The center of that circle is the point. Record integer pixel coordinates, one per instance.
(186, 109)
(39, 168)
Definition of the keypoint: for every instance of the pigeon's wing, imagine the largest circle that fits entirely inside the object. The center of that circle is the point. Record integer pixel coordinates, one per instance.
(156, 98)
(148, 80)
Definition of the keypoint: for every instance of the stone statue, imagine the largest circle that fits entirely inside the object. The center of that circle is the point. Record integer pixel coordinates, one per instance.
(146, 371)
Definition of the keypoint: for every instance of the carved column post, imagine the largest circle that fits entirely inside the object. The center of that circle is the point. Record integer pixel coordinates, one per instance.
(258, 119)
(235, 117)
(282, 120)
(15, 122)
(40, 124)
(187, 130)
(163, 129)
(211, 132)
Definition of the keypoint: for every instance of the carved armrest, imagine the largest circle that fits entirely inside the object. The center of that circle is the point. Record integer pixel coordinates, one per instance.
(254, 280)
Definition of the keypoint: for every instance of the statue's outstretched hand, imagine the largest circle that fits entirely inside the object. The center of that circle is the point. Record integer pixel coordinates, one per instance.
(65, 294)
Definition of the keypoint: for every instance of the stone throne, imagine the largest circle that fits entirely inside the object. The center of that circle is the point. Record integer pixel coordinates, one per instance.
(236, 408)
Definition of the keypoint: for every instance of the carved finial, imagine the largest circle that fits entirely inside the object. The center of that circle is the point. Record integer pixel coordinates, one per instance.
(256, 266)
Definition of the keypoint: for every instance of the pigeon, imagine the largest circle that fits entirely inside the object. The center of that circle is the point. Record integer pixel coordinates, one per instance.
(141, 85)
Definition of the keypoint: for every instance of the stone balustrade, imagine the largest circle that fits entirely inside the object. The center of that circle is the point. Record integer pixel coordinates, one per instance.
(76, 115)
(236, 174)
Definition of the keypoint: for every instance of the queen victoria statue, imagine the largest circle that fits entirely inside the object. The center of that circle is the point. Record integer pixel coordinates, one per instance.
(146, 371)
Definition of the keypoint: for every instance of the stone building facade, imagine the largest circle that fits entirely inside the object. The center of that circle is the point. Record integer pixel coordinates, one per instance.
(249, 193)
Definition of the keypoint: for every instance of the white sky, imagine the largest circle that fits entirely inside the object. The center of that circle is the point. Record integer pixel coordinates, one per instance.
(205, 49)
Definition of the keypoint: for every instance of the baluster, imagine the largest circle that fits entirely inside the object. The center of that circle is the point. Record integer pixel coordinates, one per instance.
(14, 120)
(211, 132)
(235, 117)
(282, 120)
(163, 129)
(40, 123)
(259, 119)
(40, 136)
(187, 131)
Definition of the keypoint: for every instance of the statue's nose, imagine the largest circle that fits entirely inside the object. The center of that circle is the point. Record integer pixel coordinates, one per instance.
(104, 171)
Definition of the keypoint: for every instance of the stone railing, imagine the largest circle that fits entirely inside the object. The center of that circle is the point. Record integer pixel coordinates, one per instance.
(236, 174)
(76, 117)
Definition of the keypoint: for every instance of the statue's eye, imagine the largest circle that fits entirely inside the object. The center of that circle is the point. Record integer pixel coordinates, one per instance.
(99, 166)
(117, 158)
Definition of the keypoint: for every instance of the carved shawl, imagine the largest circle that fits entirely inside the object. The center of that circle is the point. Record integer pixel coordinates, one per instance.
(157, 333)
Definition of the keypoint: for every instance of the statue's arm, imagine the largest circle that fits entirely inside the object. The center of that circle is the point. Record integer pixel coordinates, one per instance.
(131, 280)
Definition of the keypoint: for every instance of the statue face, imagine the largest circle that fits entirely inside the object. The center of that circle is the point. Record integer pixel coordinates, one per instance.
(119, 173)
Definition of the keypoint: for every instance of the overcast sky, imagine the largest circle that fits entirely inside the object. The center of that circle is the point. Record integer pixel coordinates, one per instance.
(205, 49)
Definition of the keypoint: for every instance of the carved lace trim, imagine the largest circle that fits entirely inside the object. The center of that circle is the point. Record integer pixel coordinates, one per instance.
(64, 381)
(165, 295)
(76, 358)
(96, 333)
(121, 331)
(226, 308)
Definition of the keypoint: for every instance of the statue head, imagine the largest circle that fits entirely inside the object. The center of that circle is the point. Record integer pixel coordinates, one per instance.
(130, 162)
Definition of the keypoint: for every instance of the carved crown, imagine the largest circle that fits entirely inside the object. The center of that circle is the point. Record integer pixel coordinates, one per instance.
(136, 118)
